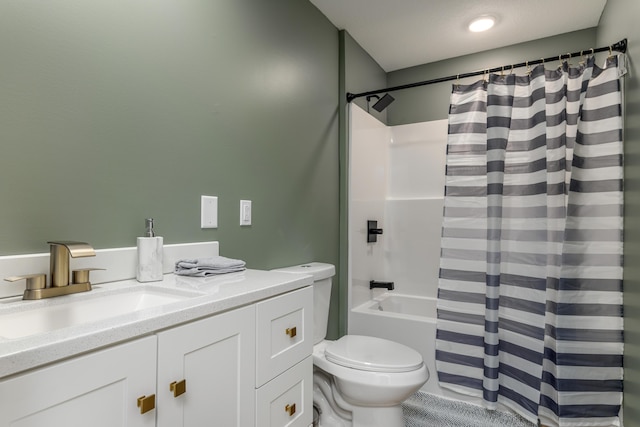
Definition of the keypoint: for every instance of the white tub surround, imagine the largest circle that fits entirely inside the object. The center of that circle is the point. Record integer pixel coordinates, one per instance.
(396, 177)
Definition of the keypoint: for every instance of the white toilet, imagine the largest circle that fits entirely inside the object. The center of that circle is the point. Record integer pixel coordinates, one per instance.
(358, 381)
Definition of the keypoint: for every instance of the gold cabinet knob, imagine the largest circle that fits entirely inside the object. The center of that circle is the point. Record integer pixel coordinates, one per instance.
(178, 387)
(292, 332)
(147, 403)
(290, 409)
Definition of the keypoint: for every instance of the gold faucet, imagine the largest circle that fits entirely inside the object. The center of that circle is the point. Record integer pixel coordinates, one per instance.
(59, 271)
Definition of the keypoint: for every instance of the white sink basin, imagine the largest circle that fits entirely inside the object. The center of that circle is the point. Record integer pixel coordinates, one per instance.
(78, 311)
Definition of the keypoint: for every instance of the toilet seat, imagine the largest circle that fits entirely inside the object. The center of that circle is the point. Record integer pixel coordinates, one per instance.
(366, 388)
(372, 354)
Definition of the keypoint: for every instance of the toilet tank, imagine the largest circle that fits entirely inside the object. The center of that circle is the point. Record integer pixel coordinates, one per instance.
(322, 274)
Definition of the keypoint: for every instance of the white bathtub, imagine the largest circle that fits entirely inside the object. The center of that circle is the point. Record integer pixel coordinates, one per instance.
(405, 306)
(409, 320)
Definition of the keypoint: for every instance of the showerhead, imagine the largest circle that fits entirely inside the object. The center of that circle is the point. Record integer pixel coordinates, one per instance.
(383, 103)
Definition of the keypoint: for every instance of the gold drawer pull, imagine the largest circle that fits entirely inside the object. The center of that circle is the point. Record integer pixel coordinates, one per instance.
(292, 332)
(290, 409)
(147, 403)
(178, 387)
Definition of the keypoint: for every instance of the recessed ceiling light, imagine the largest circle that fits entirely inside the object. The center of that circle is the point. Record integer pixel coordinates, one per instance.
(482, 23)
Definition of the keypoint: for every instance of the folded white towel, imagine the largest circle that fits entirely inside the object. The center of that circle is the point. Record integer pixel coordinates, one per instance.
(201, 267)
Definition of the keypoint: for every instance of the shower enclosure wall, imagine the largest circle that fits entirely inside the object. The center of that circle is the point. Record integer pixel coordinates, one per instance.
(397, 178)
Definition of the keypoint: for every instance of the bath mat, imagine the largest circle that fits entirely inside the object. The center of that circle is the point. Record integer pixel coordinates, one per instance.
(426, 410)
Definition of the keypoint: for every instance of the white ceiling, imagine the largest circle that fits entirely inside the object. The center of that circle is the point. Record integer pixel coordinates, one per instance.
(403, 33)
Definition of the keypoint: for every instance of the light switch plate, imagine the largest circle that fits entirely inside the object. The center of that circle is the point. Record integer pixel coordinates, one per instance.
(208, 212)
(245, 212)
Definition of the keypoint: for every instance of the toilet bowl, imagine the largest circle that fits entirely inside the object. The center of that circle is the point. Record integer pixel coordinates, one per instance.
(359, 381)
(370, 378)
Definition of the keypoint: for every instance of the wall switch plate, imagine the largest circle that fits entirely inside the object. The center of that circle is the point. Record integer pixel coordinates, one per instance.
(208, 212)
(245, 212)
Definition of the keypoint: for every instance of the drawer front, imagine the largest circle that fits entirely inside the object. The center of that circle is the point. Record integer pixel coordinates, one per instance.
(287, 400)
(284, 333)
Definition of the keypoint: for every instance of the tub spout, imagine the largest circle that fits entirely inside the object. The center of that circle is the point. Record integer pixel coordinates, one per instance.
(376, 284)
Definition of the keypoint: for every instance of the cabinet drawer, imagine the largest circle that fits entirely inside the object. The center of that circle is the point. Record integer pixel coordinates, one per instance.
(284, 333)
(287, 400)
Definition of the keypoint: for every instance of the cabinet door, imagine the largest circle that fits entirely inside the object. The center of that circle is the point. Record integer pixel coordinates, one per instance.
(216, 359)
(99, 389)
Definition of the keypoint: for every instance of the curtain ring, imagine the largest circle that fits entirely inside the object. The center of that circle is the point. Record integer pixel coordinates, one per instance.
(569, 59)
(610, 51)
(528, 67)
(511, 69)
(502, 72)
(458, 81)
(592, 52)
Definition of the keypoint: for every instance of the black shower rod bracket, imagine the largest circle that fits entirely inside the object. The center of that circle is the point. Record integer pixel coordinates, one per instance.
(620, 46)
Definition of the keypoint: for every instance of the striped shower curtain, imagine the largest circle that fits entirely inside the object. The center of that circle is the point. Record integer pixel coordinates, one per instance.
(530, 288)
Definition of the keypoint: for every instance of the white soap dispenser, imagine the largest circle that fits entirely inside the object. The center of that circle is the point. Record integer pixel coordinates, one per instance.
(149, 255)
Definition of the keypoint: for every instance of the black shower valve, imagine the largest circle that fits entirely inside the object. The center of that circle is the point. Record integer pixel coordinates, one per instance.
(373, 231)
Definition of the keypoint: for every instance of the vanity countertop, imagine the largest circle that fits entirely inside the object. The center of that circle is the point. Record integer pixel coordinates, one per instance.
(208, 296)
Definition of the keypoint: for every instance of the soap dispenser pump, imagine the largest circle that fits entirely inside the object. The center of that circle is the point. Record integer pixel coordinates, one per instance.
(150, 251)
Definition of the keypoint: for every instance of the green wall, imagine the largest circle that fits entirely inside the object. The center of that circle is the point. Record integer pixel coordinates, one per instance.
(619, 21)
(432, 102)
(362, 73)
(112, 111)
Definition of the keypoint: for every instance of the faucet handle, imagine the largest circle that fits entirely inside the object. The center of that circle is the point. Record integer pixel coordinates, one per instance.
(82, 275)
(34, 281)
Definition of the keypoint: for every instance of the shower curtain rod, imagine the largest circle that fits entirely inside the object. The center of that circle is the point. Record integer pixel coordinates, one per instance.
(620, 46)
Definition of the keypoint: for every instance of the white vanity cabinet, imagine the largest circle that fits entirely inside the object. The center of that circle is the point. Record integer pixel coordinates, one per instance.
(205, 374)
(249, 366)
(284, 368)
(206, 371)
(99, 389)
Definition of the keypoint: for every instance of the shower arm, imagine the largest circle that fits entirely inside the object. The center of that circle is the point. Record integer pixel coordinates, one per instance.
(620, 46)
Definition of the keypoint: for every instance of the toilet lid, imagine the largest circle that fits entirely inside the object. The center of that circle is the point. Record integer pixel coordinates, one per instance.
(373, 354)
